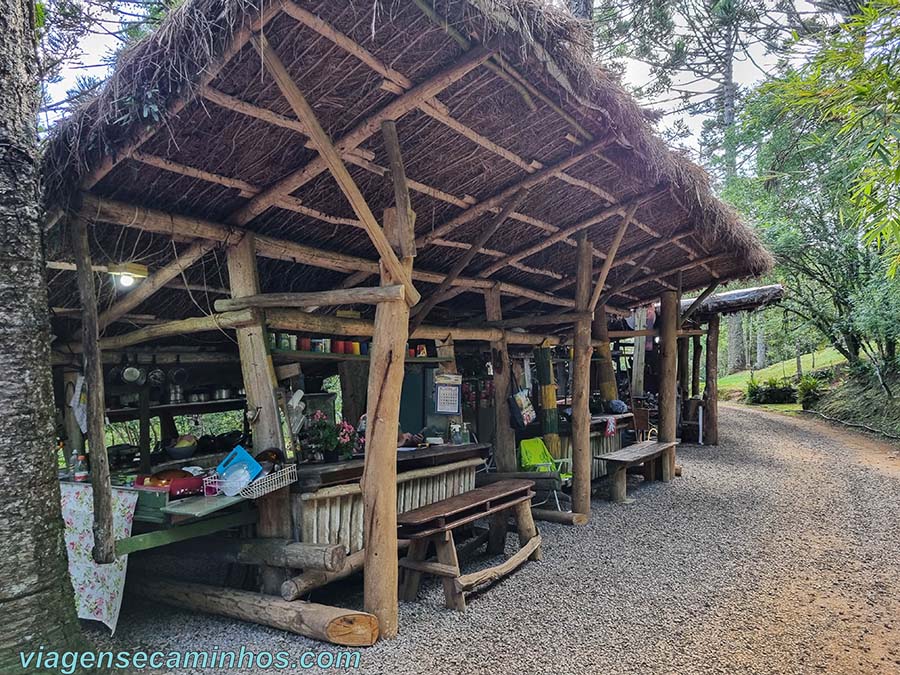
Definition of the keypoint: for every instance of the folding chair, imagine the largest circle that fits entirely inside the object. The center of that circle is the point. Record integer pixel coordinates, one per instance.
(534, 456)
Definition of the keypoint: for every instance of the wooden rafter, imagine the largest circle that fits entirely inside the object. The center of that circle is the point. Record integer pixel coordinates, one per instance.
(237, 42)
(695, 305)
(161, 222)
(364, 130)
(681, 268)
(332, 158)
(154, 282)
(611, 256)
(464, 261)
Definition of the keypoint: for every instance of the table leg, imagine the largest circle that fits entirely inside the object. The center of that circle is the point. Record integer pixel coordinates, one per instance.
(617, 485)
(497, 533)
(446, 554)
(409, 584)
(526, 527)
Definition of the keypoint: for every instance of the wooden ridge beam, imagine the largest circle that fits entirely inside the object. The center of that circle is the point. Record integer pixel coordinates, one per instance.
(364, 130)
(350, 296)
(237, 42)
(332, 158)
(161, 222)
(154, 282)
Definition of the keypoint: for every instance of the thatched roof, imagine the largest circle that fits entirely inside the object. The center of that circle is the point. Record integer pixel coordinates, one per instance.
(189, 123)
(738, 300)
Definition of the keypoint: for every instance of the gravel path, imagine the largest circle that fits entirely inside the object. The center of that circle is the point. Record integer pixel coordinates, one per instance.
(777, 552)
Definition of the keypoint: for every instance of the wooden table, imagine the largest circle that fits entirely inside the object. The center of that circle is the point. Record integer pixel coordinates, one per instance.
(435, 523)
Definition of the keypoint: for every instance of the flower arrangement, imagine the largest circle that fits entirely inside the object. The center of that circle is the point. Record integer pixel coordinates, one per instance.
(335, 440)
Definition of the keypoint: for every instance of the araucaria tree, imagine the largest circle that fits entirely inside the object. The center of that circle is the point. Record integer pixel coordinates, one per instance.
(36, 600)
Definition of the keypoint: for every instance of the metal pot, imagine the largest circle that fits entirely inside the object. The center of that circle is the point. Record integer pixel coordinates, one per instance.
(156, 376)
(222, 394)
(134, 374)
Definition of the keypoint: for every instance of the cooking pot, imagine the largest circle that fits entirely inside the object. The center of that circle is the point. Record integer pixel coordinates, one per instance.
(221, 394)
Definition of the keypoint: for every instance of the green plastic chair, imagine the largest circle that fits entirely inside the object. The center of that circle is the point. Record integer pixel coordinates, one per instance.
(534, 456)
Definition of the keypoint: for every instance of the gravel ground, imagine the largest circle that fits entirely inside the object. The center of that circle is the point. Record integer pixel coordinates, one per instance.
(776, 552)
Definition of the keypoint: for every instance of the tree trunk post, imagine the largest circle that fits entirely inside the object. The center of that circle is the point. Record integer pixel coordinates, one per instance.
(504, 437)
(262, 405)
(387, 357)
(640, 353)
(144, 429)
(609, 390)
(683, 367)
(104, 542)
(711, 410)
(549, 410)
(354, 376)
(581, 382)
(668, 345)
(36, 600)
(696, 355)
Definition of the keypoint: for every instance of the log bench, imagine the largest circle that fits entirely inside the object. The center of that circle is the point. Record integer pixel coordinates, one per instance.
(657, 458)
(435, 523)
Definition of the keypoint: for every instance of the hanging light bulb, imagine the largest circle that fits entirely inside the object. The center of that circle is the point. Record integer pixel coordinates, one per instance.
(126, 280)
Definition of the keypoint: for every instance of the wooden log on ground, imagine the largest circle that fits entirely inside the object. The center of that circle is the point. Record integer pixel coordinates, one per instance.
(104, 538)
(293, 554)
(333, 624)
(310, 580)
(711, 409)
(581, 382)
(561, 517)
(340, 296)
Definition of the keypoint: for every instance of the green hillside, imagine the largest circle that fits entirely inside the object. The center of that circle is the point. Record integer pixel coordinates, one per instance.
(738, 381)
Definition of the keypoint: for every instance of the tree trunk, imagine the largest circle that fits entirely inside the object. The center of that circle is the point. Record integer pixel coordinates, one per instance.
(35, 592)
(761, 347)
(799, 356)
(736, 350)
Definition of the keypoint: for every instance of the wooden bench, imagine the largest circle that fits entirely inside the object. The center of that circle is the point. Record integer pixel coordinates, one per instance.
(434, 524)
(658, 458)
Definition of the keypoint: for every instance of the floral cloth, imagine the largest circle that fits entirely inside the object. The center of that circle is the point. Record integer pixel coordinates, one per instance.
(98, 588)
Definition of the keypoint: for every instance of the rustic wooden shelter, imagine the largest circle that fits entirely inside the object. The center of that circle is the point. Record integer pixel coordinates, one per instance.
(459, 167)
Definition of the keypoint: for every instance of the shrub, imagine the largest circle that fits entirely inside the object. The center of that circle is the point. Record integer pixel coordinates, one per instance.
(771, 391)
(809, 391)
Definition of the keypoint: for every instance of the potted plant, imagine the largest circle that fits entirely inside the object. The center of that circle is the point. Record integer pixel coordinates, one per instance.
(321, 439)
(347, 440)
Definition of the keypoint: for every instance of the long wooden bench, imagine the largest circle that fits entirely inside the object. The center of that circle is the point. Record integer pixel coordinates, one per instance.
(657, 457)
(434, 524)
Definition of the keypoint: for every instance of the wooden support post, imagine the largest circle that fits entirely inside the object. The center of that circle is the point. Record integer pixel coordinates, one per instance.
(104, 538)
(354, 377)
(711, 410)
(504, 437)
(696, 354)
(379, 482)
(609, 390)
(259, 382)
(581, 382)
(668, 331)
(549, 410)
(144, 429)
(683, 367)
(639, 361)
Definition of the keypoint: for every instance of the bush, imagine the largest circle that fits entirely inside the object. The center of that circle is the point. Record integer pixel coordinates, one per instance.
(809, 391)
(771, 391)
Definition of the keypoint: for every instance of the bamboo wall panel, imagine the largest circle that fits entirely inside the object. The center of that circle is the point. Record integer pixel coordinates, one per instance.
(601, 444)
(334, 515)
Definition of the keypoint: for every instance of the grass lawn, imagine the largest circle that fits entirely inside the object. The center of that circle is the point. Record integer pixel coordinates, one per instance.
(738, 381)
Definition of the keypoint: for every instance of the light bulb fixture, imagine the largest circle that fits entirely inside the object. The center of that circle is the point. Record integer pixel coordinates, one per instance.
(128, 273)
(126, 280)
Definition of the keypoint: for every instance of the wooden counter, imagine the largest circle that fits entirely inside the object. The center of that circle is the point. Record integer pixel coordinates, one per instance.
(327, 505)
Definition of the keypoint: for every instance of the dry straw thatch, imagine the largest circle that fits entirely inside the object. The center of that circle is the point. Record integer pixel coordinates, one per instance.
(545, 92)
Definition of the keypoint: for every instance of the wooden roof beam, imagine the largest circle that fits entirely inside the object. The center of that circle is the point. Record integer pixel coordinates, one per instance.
(332, 158)
(237, 42)
(364, 130)
(161, 222)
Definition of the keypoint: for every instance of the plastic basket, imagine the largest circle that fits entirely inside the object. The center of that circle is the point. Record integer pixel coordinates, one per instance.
(212, 485)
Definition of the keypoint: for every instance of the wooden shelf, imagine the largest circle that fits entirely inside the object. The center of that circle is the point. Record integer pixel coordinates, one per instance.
(293, 356)
(199, 408)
